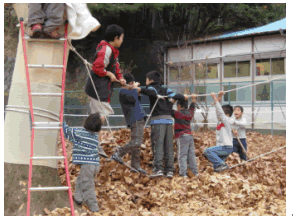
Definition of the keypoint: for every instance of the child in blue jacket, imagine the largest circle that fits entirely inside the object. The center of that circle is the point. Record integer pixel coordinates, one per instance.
(135, 118)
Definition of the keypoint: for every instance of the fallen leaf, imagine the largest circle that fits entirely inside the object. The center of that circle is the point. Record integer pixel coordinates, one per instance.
(21, 207)
(46, 211)
(128, 180)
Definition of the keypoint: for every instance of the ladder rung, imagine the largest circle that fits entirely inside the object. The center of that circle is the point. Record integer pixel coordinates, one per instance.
(48, 158)
(47, 123)
(45, 66)
(46, 94)
(59, 40)
(49, 188)
(47, 128)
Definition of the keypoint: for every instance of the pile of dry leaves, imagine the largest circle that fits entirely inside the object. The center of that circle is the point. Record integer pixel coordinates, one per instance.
(256, 188)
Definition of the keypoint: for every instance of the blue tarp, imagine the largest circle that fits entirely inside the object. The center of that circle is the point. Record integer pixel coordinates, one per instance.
(281, 24)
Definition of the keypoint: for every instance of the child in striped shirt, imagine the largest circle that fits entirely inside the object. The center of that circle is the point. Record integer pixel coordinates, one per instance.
(85, 152)
(184, 137)
(239, 124)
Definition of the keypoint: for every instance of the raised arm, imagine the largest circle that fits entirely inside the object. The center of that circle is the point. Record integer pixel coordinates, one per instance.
(192, 105)
(220, 112)
(68, 132)
(220, 95)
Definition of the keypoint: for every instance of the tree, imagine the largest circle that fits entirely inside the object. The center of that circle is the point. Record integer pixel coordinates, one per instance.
(186, 21)
(127, 68)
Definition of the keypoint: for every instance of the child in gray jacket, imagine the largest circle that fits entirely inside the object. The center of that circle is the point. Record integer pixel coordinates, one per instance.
(224, 146)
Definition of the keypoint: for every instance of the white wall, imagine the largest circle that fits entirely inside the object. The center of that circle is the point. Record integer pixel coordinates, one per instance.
(237, 46)
(176, 54)
(270, 42)
(230, 47)
(206, 51)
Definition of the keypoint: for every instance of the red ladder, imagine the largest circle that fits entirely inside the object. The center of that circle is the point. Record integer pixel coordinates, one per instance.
(46, 125)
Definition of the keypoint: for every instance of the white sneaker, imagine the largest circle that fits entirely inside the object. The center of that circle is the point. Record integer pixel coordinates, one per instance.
(169, 174)
(158, 173)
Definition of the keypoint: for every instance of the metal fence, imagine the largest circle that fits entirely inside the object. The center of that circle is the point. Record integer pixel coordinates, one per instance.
(268, 111)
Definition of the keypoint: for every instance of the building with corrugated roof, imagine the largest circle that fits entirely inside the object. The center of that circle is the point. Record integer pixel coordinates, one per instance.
(231, 61)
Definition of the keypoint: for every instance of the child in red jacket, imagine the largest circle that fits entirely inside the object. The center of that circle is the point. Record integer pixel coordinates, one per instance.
(104, 73)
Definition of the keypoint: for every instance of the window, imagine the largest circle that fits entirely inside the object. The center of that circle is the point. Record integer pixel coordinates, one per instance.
(230, 69)
(237, 69)
(263, 92)
(206, 71)
(174, 75)
(201, 90)
(200, 71)
(212, 70)
(185, 73)
(231, 94)
(263, 67)
(272, 66)
(243, 68)
(278, 66)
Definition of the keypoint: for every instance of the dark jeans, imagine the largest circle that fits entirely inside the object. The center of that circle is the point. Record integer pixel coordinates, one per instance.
(218, 154)
(49, 14)
(162, 147)
(133, 146)
(238, 149)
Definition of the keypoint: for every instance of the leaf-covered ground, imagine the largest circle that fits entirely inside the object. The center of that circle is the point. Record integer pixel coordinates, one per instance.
(256, 188)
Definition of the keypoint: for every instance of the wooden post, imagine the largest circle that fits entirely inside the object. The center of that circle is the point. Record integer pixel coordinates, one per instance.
(272, 107)
(221, 68)
(192, 69)
(167, 69)
(165, 65)
(179, 78)
(252, 79)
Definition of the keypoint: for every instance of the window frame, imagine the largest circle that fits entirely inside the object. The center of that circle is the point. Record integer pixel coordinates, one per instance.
(231, 88)
(259, 101)
(236, 69)
(270, 58)
(218, 75)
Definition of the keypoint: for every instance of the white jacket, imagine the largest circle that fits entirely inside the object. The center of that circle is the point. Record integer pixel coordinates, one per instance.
(239, 125)
(81, 20)
(224, 127)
